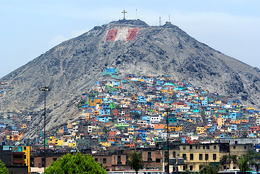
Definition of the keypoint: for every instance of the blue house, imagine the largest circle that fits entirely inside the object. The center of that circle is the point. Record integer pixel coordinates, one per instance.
(103, 119)
(116, 83)
(196, 110)
(65, 128)
(141, 99)
(204, 102)
(233, 116)
(105, 106)
(233, 127)
(221, 136)
(172, 119)
(84, 106)
(146, 118)
(104, 111)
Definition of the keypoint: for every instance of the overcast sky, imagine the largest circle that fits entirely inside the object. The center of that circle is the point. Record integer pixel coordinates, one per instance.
(30, 28)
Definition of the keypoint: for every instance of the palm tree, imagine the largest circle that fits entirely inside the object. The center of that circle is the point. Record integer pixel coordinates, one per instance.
(243, 163)
(227, 159)
(135, 160)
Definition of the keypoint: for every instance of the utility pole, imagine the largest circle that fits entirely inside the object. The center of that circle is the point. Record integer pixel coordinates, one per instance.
(45, 89)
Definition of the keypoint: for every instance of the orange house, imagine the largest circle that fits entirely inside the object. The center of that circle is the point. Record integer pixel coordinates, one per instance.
(111, 139)
(131, 145)
(95, 101)
(254, 129)
(69, 126)
(115, 113)
(112, 134)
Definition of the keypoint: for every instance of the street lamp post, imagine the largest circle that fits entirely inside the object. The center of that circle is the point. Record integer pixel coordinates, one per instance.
(45, 89)
(168, 146)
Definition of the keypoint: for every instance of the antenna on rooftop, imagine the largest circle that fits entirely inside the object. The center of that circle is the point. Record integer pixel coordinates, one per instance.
(159, 21)
(169, 18)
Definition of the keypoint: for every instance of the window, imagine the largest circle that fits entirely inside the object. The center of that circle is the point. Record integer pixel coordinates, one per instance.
(206, 156)
(24, 148)
(203, 147)
(234, 147)
(184, 156)
(207, 146)
(190, 146)
(184, 167)
(54, 159)
(158, 160)
(42, 162)
(149, 155)
(244, 147)
(191, 156)
(104, 160)
(215, 147)
(24, 156)
(214, 156)
(174, 154)
(191, 168)
(184, 147)
(200, 157)
(96, 159)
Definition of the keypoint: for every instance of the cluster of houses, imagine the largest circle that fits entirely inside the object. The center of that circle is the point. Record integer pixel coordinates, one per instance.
(128, 111)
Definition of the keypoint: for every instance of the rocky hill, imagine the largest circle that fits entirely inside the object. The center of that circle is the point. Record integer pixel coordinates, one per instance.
(132, 46)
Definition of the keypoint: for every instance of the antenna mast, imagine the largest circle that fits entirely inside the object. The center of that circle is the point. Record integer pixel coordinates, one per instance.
(159, 21)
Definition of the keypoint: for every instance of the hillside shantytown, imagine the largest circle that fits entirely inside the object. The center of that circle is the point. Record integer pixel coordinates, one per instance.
(127, 112)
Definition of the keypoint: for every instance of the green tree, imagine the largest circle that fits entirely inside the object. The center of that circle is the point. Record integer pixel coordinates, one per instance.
(206, 169)
(135, 160)
(246, 160)
(227, 159)
(3, 169)
(75, 164)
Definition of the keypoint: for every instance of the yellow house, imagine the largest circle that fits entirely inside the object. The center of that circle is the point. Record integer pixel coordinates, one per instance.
(131, 130)
(220, 121)
(7, 137)
(250, 108)
(200, 130)
(218, 102)
(72, 145)
(148, 139)
(26, 150)
(24, 126)
(106, 144)
(59, 142)
(173, 128)
(52, 140)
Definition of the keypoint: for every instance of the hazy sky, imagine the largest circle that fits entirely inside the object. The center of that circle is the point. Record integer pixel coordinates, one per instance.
(30, 28)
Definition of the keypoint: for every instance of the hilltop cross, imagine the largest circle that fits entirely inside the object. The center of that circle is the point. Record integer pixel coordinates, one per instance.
(124, 13)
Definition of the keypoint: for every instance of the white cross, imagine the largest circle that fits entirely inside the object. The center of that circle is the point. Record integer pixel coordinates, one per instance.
(124, 13)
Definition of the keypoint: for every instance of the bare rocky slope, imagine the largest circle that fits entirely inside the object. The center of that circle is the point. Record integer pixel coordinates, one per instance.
(73, 66)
